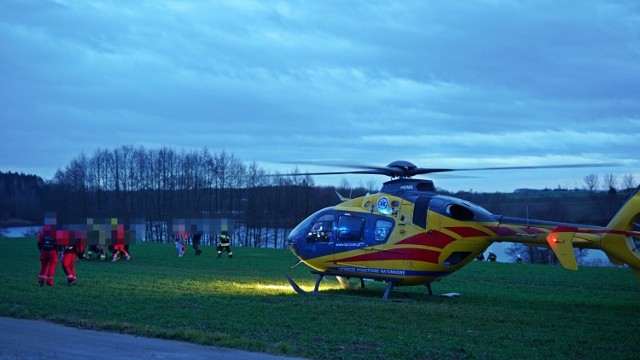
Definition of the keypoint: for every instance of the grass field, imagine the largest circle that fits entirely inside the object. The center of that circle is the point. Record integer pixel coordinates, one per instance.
(507, 311)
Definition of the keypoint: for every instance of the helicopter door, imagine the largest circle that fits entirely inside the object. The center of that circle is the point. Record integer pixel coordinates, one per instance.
(420, 211)
(320, 239)
(350, 231)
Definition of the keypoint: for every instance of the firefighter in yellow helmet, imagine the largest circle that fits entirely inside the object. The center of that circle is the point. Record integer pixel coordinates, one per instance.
(225, 245)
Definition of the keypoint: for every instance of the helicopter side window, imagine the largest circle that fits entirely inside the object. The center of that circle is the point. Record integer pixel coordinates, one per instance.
(383, 229)
(350, 228)
(322, 229)
(460, 212)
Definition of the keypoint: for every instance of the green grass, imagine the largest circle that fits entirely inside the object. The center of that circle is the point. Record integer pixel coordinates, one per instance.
(507, 311)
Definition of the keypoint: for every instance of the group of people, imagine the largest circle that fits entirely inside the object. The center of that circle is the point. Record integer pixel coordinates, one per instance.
(492, 257)
(49, 255)
(51, 252)
(224, 244)
(119, 251)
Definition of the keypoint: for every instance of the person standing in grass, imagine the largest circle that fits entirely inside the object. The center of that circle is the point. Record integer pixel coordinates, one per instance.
(196, 242)
(48, 255)
(68, 263)
(119, 249)
(179, 244)
(225, 245)
(492, 257)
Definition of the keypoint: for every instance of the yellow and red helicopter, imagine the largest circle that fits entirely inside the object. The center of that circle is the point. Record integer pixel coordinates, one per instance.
(407, 234)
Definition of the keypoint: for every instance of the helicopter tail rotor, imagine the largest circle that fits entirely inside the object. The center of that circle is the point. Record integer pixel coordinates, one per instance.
(620, 239)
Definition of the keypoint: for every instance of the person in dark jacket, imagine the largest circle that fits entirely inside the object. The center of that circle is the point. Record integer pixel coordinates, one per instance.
(225, 245)
(196, 242)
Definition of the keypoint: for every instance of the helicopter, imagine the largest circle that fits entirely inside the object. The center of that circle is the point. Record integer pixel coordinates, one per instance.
(407, 234)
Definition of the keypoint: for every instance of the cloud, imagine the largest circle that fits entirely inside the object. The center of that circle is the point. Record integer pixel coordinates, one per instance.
(503, 81)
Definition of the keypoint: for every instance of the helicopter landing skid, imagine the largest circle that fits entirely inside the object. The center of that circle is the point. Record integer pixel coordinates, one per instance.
(321, 275)
(295, 286)
(299, 290)
(447, 295)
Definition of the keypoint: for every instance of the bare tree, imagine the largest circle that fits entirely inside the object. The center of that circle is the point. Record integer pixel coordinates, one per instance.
(610, 182)
(142, 178)
(256, 176)
(591, 182)
(72, 185)
(371, 186)
(345, 185)
(628, 182)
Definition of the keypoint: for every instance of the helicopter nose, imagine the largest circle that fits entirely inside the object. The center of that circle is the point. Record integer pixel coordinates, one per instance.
(292, 242)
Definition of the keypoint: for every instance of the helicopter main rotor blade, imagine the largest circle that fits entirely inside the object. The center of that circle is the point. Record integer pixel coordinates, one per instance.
(398, 168)
(338, 164)
(404, 169)
(371, 172)
(419, 171)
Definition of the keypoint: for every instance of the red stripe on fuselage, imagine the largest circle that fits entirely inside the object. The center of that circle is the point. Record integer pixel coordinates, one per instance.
(467, 231)
(433, 238)
(502, 231)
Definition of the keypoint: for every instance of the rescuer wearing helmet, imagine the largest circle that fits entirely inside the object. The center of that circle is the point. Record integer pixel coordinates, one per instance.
(225, 245)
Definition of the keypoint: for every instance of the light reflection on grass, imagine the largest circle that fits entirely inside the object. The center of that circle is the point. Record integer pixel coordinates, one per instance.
(253, 288)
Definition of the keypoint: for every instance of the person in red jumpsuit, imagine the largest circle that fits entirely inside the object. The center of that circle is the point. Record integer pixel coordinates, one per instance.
(68, 261)
(48, 255)
(119, 250)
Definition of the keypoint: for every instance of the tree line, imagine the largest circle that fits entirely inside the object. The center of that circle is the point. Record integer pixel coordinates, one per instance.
(158, 185)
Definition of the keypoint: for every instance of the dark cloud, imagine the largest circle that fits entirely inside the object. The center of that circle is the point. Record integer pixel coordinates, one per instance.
(443, 83)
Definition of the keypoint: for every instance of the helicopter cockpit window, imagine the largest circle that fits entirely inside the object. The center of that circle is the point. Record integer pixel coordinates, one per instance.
(350, 228)
(322, 229)
(383, 229)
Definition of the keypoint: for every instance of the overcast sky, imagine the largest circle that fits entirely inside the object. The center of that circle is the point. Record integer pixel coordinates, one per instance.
(437, 83)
